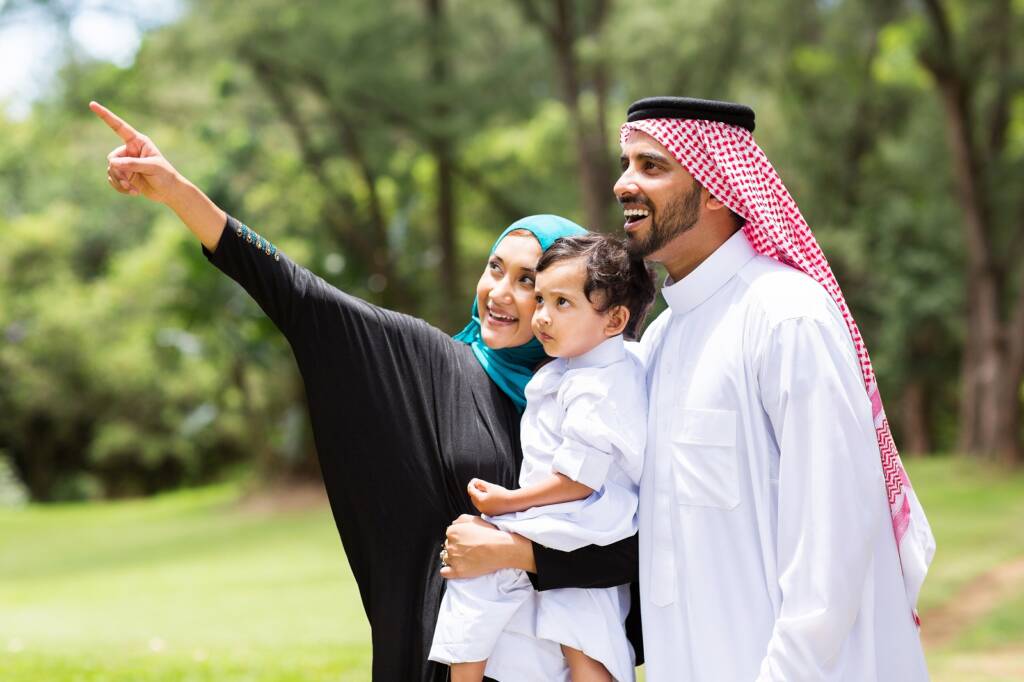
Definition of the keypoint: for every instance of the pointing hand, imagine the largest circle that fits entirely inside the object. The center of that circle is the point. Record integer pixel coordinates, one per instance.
(137, 166)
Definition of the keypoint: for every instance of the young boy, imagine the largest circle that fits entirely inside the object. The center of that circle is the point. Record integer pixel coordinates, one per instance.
(583, 437)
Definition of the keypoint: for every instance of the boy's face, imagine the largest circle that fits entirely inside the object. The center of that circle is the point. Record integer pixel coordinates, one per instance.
(565, 322)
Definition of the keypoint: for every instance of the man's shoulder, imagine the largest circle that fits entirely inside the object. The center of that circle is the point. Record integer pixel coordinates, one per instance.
(657, 326)
(782, 292)
(651, 337)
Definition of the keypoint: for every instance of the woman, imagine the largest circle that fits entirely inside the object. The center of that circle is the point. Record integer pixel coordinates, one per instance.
(403, 415)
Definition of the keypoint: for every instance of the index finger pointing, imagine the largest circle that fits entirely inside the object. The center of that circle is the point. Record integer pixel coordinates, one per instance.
(116, 123)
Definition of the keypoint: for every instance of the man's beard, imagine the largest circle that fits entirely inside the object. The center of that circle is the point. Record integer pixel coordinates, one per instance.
(679, 216)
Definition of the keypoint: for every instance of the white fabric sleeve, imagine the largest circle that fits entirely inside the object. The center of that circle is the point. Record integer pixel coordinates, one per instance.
(605, 421)
(831, 492)
(585, 453)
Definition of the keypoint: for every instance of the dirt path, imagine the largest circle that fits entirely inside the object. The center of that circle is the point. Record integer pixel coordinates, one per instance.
(284, 498)
(1001, 665)
(942, 625)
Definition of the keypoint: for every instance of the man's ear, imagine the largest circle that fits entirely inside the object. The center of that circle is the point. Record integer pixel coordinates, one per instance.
(618, 318)
(712, 203)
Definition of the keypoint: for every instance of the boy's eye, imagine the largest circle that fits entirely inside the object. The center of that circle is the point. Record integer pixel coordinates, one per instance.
(562, 301)
(539, 299)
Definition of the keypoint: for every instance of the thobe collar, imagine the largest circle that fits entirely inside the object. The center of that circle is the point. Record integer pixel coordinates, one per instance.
(603, 354)
(548, 378)
(708, 277)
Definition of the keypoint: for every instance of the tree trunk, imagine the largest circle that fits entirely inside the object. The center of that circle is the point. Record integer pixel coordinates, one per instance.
(986, 360)
(993, 360)
(914, 412)
(1009, 446)
(969, 387)
(369, 243)
(393, 294)
(595, 169)
(442, 149)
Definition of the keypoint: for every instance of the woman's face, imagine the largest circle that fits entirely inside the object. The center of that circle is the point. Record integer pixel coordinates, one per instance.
(504, 294)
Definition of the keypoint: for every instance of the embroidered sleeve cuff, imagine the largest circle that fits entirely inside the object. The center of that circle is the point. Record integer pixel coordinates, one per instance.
(236, 234)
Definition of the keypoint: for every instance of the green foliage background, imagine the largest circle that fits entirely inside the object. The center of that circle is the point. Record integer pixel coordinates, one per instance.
(129, 365)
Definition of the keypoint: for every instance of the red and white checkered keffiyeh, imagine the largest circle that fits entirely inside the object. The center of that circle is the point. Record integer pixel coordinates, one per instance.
(727, 161)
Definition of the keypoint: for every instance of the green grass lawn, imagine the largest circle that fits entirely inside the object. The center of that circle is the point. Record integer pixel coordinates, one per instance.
(977, 515)
(194, 586)
(188, 586)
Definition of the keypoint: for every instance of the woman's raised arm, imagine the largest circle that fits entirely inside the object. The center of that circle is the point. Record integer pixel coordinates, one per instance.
(289, 294)
(137, 167)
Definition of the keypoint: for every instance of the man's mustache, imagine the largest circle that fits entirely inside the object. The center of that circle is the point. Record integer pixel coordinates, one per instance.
(635, 200)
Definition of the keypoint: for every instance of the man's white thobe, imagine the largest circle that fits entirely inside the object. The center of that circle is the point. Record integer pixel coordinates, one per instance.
(766, 546)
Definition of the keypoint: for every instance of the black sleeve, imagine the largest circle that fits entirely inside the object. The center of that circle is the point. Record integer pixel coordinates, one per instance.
(310, 312)
(590, 566)
(286, 292)
(360, 363)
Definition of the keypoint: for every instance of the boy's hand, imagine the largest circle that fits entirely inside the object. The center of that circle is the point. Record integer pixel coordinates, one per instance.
(490, 498)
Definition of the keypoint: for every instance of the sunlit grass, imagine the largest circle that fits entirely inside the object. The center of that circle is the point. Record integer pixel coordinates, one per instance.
(976, 513)
(187, 586)
(193, 586)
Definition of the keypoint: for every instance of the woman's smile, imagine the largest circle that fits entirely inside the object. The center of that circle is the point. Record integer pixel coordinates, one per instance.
(505, 292)
(498, 317)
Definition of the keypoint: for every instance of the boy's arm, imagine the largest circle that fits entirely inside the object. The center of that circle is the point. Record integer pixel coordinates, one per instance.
(493, 499)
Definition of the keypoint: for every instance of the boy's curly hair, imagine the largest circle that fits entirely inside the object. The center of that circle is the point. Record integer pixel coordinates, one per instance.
(621, 279)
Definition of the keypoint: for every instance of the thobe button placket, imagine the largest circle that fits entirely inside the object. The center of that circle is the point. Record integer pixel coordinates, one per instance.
(663, 572)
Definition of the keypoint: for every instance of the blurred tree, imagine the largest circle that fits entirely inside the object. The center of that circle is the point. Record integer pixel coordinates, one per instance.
(973, 55)
(857, 143)
(442, 145)
(572, 30)
(384, 145)
(355, 83)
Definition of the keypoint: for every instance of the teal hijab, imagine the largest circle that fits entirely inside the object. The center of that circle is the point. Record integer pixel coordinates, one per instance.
(511, 368)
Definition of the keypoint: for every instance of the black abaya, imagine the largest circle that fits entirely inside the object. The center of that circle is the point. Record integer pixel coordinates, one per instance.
(403, 416)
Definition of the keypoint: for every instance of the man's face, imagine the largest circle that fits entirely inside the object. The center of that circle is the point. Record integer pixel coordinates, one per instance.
(659, 197)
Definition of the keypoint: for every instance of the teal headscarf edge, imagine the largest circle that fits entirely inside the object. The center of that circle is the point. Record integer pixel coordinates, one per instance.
(511, 368)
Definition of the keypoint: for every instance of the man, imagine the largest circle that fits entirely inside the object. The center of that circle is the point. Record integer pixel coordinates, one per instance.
(766, 549)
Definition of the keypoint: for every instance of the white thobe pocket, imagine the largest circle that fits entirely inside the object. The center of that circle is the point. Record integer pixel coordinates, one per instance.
(704, 458)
